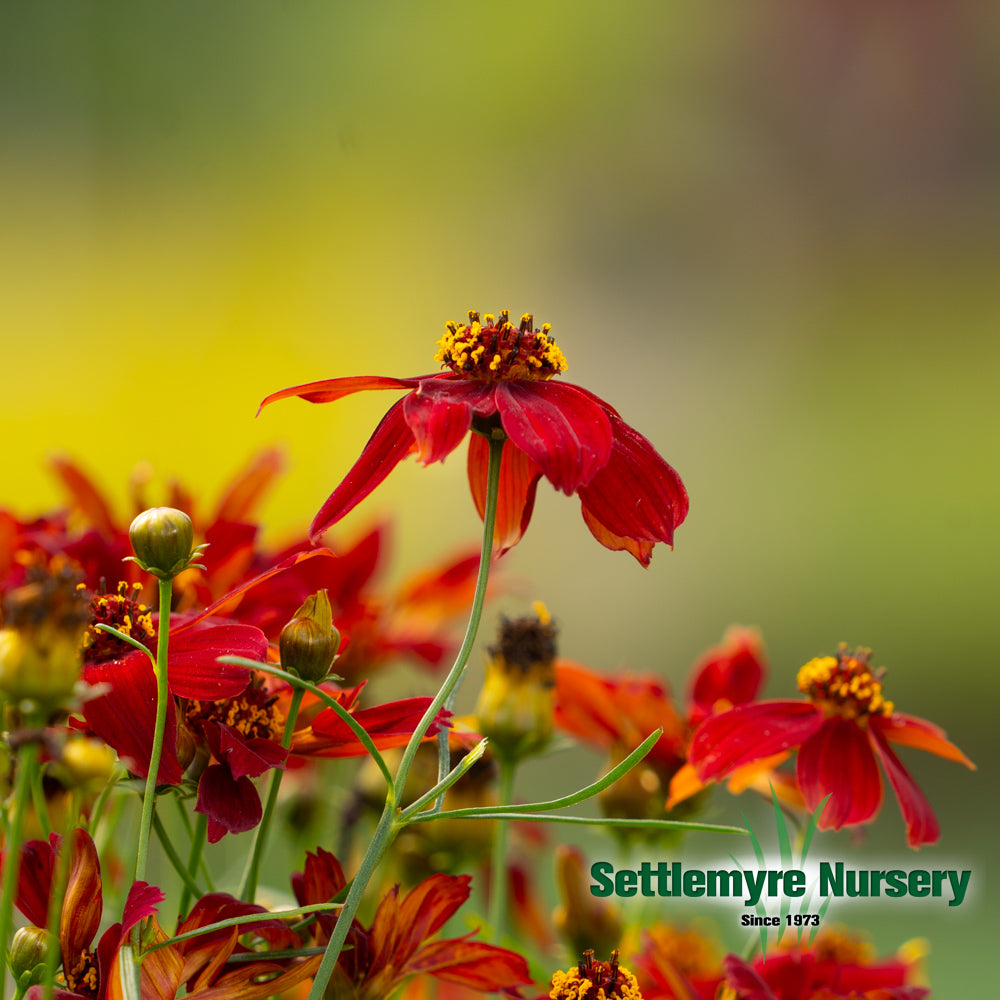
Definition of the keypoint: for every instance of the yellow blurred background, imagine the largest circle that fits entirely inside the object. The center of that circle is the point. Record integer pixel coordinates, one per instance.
(767, 234)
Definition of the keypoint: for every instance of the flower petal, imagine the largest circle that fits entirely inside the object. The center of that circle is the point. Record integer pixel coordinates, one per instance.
(391, 442)
(838, 761)
(744, 980)
(330, 389)
(636, 494)
(34, 880)
(516, 499)
(389, 725)
(643, 551)
(193, 670)
(81, 912)
(231, 805)
(921, 823)
(440, 413)
(474, 964)
(909, 731)
(750, 732)
(124, 717)
(559, 427)
(730, 672)
(245, 492)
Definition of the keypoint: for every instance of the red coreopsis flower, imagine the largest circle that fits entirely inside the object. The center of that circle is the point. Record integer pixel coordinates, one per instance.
(89, 972)
(678, 963)
(842, 731)
(398, 943)
(501, 378)
(836, 965)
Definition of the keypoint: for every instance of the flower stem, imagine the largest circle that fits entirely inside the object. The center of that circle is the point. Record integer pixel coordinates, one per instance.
(162, 695)
(194, 859)
(27, 759)
(249, 890)
(387, 827)
(498, 859)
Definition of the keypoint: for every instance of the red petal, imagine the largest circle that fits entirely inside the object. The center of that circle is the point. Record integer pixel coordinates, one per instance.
(750, 732)
(838, 761)
(143, 900)
(86, 496)
(81, 913)
(424, 911)
(387, 447)
(231, 805)
(909, 731)
(193, 670)
(474, 964)
(331, 389)
(245, 492)
(561, 429)
(34, 881)
(250, 756)
(516, 498)
(124, 717)
(388, 725)
(744, 980)
(921, 823)
(730, 672)
(440, 413)
(643, 551)
(636, 494)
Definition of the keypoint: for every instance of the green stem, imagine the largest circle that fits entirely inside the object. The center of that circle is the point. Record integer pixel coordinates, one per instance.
(498, 861)
(41, 806)
(58, 892)
(27, 759)
(173, 857)
(194, 860)
(249, 891)
(162, 696)
(387, 828)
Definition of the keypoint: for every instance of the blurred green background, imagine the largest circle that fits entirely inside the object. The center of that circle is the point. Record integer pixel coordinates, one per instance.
(768, 234)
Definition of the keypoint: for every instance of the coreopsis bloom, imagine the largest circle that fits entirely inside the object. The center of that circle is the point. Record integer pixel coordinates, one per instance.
(678, 963)
(837, 964)
(399, 944)
(596, 981)
(501, 380)
(89, 971)
(842, 731)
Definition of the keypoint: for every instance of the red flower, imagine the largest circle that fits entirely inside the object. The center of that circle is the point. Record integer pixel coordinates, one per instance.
(89, 973)
(398, 945)
(677, 963)
(836, 965)
(842, 731)
(500, 379)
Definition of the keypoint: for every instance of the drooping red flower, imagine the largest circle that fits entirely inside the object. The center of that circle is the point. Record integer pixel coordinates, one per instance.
(399, 944)
(678, 963)
(89, 972)
(836, 965)
(500, 379)
(842, 731)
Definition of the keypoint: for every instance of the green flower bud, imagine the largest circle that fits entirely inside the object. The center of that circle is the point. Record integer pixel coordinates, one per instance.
(309, 642)
(161, 540)
(27, 952)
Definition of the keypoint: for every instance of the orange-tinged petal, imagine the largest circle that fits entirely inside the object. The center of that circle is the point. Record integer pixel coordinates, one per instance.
(330, 389)
(81, 912)
(86, 496)
(474, 964)
(910, 731)
(243, 495)
(516, 499)
(747, 776)
(642, 550)
(683, 785)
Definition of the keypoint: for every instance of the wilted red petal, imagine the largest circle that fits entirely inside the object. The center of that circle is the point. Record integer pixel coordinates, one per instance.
(386, 448)
(561, 429)
(750, 732)
(516, 496)
(474, 964)
(636, 494)
(330, 389)
(921, 823)
(909, 731)
(124, 717)
(232, 805)
(838, 761)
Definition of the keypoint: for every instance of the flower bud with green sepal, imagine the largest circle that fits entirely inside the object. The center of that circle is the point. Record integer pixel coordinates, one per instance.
(162, 539)
(309, 642)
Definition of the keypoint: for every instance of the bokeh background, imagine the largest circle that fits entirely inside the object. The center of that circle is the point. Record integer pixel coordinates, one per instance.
(767, 233)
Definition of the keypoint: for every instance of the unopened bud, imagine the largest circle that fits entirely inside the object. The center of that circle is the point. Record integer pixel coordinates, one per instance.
(309, 642)
(161, 540)
(87, 762)
(28, 948)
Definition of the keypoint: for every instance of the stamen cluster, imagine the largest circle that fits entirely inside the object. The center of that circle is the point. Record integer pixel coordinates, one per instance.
(845, 684)
(122, 611)
(491, 349)
(251, 713)
(593, 980)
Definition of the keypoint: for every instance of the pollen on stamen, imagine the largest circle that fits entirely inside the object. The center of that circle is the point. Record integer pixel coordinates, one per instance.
(845, 684)
(491, 349)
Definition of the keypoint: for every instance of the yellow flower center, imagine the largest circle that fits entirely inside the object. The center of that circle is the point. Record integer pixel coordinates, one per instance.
(492, 349)
(252, 713)
(122, 611)
(592, 980)
(845, 684)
